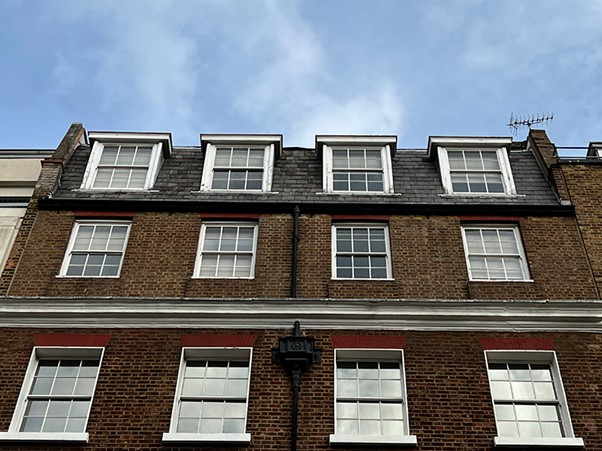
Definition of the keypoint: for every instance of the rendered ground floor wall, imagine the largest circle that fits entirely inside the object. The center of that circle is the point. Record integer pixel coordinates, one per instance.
(448, 393)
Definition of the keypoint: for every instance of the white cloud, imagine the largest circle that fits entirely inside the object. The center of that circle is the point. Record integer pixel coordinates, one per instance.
(378, 111)
(295, 87)
(535, 36)
(230, 66)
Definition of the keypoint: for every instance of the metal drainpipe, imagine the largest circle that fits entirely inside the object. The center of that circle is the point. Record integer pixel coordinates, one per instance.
(296, 353)
(296, 377)
(295, 251)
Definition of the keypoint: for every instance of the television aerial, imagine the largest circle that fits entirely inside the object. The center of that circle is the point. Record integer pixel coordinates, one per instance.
(518, 122)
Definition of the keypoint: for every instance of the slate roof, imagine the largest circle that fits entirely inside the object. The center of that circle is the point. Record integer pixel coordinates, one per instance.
(298, 179)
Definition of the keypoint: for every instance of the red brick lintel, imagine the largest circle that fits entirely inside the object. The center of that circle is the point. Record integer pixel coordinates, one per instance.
(524, 343)
(104, 214)
(361, 218)
(489, 218)
(229, 215)
(363, 341)
(218, 340)
(96, 340)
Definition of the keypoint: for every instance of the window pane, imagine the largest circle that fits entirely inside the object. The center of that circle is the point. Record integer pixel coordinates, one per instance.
(63, 386)
(368, 388)
(391, 411)
(523, 390)
(456, 160)
(233, 426)
(85, 386)
(548, 413)
(33, 424)
(347, 410)
(373, 159)
(109, 155)
(347, 427)
(526, 412)
(235, 410)
(369, 427)
(501, 390)
(220, 180)
(143, 156)
(137, 178)
(392, 428)
(390, 389)
(54, 425)
(192, 387)
(529, 429)
(126, 156)
(505, 412)
(79, 409)
(186, 425)
(214, 387)
(369, 410)
(544, 390)
(190, 409)
(222, 156)
(236, 388)
(75, 425)
(551, 430)
(507, 429)
(36, 408)
(490, 161)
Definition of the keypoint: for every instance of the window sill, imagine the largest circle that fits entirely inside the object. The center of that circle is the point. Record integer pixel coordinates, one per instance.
(484, 195)
(178, 437)
(543, 442)
(342, 439)
(501, 281)
(347, 279)
(117, 190)
(59, 437)
(221, 278)
(234, 191)
(357, 193)
(64, 276)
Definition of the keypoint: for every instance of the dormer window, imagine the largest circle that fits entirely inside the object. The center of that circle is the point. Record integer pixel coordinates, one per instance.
(125, 161)
(239, 162)
(474, 166)
(357, 164)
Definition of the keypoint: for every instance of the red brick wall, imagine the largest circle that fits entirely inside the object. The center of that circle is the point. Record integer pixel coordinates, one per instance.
(584, 182)
(427, 257)
(448, 392)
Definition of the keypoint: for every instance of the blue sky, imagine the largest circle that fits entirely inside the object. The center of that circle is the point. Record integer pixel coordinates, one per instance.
(300, 68)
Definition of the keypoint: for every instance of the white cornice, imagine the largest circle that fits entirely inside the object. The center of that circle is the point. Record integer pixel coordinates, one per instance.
(433, 315)
(466, 141)
(133, 137)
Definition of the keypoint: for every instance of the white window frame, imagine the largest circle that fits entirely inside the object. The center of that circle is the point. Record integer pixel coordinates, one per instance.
(360, 225)
(519, 242)
(208, 224)
(328, 172)
(40, 353)
(439, 145)
(208, 353)
(74, 232)
(373, 355)
(10, 222)
(542, 357)
(160, 143)
(270, 143)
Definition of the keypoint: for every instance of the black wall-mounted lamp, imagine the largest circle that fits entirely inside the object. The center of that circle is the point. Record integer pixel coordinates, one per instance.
(296, 353)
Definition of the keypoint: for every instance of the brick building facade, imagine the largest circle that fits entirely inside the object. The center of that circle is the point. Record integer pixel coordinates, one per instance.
(453, 293)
